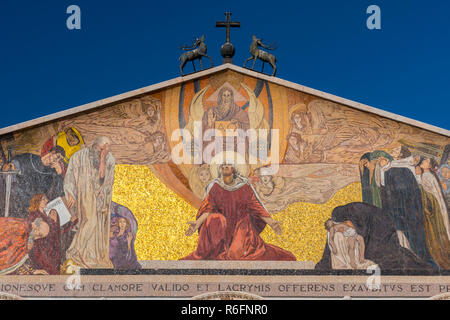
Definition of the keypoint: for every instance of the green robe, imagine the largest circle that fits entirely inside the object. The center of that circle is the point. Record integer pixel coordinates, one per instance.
(374, 187)
(436, 236)
(376, 193)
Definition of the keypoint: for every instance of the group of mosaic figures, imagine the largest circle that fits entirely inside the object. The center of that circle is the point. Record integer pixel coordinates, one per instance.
(198, 51)
(36, 238)
(407, 190)
(404, 215)
(415, 191)
(401, 223)
(404, 195)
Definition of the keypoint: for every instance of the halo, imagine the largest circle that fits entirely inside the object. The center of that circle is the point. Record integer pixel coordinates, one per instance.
(229, 157)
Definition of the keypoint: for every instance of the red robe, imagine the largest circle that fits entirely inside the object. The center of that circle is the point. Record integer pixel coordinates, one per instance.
(231, 231)
(46, 253)
(13, 242)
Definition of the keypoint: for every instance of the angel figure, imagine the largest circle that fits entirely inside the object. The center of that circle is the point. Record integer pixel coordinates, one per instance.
(267, 185)
(199, 179)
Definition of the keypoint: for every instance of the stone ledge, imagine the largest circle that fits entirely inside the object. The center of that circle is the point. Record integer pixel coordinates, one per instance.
(252, 265)
(192, 286)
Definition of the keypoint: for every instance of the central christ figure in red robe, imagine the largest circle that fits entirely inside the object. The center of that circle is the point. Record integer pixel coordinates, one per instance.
(229, 221)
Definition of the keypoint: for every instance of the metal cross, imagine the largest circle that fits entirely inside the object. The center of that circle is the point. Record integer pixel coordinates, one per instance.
(228, 24)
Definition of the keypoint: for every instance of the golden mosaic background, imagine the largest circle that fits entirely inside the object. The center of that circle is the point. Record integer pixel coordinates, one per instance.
(162, 217)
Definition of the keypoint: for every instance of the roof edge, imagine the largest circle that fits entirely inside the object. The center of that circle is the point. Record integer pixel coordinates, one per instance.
(228, 66)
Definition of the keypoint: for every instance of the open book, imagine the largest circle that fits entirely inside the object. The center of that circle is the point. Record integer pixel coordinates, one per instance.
(61, 209)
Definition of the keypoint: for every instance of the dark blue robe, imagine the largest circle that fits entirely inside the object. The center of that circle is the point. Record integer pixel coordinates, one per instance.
(402, 200)
(33, 178)
(381, 241)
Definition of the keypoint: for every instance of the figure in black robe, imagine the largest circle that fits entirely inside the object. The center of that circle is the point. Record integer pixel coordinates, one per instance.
(402, 200)
(380, 237)
(33, 178)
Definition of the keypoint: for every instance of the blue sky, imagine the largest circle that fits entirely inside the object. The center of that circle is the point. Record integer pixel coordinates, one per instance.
(324, 44)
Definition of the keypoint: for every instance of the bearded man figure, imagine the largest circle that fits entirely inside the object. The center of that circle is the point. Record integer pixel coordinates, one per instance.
(88, 186)
(227, 115)
(17, 239)
(226, 110)
(230, 221)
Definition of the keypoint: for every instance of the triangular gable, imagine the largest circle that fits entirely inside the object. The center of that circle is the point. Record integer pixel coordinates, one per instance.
(176, 81)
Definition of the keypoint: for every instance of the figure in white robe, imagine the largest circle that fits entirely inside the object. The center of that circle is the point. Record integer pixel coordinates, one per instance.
(346, 246)
(88, 186)
(341, 259)
(430, 184)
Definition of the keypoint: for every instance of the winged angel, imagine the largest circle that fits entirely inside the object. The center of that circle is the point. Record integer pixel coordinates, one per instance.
(226, 117)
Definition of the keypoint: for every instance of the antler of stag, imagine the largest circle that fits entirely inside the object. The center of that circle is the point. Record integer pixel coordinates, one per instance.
(273, 46)
(193, 46)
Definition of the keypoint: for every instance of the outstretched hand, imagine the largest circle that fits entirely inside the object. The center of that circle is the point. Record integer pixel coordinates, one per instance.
(193, 226)
(41, 272)
(276, 226)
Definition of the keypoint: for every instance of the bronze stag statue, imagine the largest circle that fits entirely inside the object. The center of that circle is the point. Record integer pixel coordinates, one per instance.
(194, 52)
(261, 54)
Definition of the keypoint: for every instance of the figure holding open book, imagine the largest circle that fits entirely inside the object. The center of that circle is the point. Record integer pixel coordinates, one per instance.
(46, 253)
